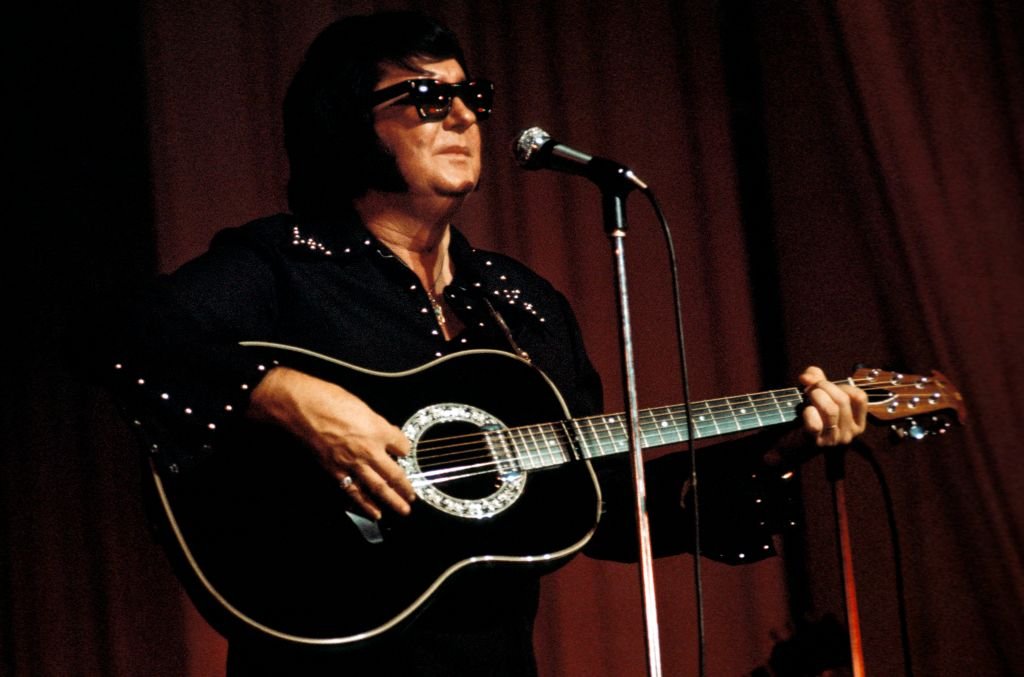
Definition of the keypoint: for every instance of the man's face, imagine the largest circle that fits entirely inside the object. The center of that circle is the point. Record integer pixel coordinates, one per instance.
(436, 158)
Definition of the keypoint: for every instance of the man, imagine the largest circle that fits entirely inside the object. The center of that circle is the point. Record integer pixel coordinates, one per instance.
(382, 131)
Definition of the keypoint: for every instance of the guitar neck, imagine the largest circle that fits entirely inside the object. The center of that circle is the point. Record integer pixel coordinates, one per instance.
(546, 445)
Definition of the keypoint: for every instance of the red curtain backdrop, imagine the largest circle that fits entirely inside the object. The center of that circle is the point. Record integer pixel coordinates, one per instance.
(845, 183)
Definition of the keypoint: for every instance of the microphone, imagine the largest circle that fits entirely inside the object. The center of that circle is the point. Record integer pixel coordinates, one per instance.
(535, 149)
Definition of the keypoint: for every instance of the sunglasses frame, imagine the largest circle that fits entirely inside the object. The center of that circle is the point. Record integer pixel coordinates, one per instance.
(425, 93)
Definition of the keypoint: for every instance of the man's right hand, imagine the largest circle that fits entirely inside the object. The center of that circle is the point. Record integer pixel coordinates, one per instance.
(350, 439)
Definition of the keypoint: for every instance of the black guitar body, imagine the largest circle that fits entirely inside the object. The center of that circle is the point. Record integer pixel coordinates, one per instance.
(263, 543)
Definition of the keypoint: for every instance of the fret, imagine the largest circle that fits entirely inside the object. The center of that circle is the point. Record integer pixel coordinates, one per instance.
(542, 445)
(739, 412)
(560, 445)
(599, 436)
(585, 437)
(539, 443)
(556, 446)
(603, 437)
(705, 420)
(552, 444)
(677, 424)
(757, 415)
(724, 417)
(669, 428)
(510, 442)
(598, 432)
(573, 445)
(793, 398)
(525, 452)
(653, 428)
(778, 415)
(700, 428)
(608, 443)
(664, 423)
(501, 447)
(650, 432)
(767, 407)
(548, 449)
(744, 418)
(668, 432)
(681, 425)
(536, 455)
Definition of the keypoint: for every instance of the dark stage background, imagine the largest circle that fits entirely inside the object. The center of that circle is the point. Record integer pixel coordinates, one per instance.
(845, 183)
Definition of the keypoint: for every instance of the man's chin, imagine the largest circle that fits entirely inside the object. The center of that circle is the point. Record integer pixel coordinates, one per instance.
(463, 190)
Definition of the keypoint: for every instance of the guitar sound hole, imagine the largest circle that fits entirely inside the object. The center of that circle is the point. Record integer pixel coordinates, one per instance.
(455, 458)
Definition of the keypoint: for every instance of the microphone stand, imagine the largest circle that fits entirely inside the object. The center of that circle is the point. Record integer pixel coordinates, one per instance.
(615, 184)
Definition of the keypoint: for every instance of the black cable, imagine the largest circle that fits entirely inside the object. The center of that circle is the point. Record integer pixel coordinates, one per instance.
(864, 451)
(676, 296)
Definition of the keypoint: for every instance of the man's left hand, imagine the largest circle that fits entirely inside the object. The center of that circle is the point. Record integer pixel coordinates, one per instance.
(835, 413)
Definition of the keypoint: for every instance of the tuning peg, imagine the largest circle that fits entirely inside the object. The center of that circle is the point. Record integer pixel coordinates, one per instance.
(909, 427)
(939, 424)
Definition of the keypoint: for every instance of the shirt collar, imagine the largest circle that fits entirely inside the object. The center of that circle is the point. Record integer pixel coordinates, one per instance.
(347, 240)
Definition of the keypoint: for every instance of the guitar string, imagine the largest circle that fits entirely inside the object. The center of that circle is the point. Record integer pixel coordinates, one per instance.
(750, 411)
(727, 406)
(724, 403)
(601, 438)
(721, 403)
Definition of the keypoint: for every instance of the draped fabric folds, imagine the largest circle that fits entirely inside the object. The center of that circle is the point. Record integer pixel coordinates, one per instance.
(844, 182)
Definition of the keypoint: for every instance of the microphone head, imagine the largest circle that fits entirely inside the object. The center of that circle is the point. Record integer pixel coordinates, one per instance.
(526, 147)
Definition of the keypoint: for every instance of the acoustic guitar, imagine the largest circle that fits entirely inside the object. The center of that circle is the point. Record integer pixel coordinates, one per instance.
(264, 543)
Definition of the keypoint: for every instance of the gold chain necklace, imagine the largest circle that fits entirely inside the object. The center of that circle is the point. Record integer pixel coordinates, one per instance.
(434, 302)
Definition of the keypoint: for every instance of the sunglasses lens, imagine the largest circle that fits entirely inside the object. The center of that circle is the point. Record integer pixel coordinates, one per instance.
(436, 107)
(433, 99)
(478, 95)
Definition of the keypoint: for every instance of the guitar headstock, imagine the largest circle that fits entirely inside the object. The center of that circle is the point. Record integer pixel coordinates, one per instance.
(920, 405)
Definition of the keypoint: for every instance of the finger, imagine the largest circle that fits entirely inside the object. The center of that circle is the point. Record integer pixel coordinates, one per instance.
(824, 436)
(394, 475)
(370, 482)
(367, 462)
(850, 422)
(397, 443)
(841, 408)
(852, 410)
(811, 376)
(858, 406)
(824, 401)
(827, 415)
(812, 420)
(365, 504)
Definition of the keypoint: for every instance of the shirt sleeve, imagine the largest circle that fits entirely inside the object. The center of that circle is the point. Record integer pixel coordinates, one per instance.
(743, 501)
(174, 362)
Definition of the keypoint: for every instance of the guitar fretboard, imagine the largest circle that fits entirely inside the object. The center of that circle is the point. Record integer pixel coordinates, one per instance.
(551, 444)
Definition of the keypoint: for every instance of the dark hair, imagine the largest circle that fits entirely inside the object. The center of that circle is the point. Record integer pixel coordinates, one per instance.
(333, 151)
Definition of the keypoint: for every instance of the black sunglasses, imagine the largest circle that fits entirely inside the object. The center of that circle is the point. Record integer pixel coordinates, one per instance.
(433, 98)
